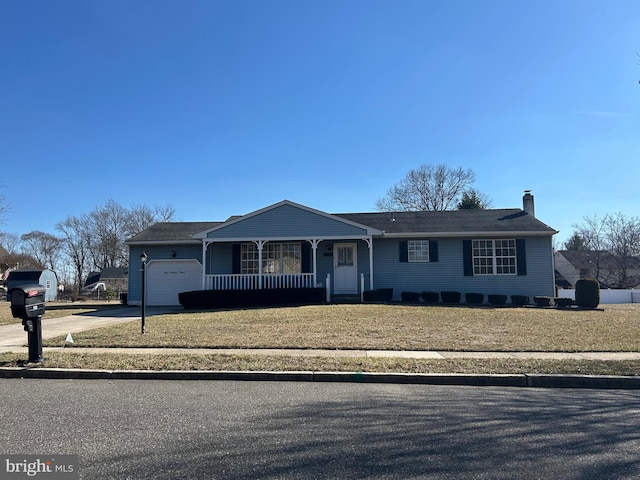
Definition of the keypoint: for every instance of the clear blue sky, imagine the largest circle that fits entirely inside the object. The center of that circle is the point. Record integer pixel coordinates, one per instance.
(224, 107)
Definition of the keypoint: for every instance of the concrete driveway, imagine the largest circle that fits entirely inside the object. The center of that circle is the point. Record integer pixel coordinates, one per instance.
(12, 336)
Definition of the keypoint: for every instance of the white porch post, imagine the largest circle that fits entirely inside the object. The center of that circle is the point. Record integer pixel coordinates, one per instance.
(314, 248)
(260, 245)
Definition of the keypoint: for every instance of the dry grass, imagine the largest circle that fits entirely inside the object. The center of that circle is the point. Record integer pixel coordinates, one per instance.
(384, 327)
(68, 359)
(59, 309)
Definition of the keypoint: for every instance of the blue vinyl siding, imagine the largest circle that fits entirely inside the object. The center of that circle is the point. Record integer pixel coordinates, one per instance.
(448, 272)
(287, 221)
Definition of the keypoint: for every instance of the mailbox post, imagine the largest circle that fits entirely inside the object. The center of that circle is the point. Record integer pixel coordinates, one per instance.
(27, 303)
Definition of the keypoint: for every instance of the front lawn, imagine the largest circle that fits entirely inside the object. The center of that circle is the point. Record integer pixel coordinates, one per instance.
(383, 327)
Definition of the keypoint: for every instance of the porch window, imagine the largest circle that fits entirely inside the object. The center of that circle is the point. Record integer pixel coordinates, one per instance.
(494, 257)
(418, 250)
(276, 258)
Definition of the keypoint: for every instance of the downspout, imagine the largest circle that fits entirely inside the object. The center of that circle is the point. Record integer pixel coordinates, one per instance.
(370, 244)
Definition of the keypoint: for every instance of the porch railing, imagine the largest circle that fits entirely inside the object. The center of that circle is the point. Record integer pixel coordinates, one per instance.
(251, 282)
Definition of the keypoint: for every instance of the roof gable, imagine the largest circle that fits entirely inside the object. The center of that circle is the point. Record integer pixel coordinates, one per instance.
(287, 219)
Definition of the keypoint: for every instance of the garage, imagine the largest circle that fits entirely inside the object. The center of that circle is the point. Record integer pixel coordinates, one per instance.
(167, 278)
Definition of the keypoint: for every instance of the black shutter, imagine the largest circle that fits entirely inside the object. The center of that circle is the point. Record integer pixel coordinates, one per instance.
(521, 257)
(433, 250)
(235, 258)
(467, 258)
(404, 251)
(305, 252)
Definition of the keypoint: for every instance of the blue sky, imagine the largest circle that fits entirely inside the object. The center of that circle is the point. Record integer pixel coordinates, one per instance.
(224, 107)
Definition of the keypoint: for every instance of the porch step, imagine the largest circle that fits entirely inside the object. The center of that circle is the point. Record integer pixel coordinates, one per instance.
(345, 299)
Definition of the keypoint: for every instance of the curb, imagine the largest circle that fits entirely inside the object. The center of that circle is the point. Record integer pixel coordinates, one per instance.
(489, 380)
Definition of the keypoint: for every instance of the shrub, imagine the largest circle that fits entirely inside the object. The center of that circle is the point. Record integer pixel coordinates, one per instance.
(497, 299)
(411, 297)
(563, 302)
(388, 293)
(519, 300)
(474, 298)
(430, 297)
(542, 301)
(374, 296)
(202, 299)
(450, 297)
(587, 293)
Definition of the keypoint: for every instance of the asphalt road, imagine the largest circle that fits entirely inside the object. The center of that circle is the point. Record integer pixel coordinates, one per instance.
(230, 430)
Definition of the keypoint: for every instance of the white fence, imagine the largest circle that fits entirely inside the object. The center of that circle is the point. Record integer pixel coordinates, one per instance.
(607, 295)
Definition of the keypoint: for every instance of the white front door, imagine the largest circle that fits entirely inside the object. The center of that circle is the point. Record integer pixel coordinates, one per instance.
(345, 268)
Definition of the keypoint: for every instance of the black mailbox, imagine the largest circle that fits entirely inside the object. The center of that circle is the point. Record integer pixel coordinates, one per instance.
(27, 301)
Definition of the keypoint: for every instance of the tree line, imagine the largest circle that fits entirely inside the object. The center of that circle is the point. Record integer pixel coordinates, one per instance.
(611, 248)
(81, 244)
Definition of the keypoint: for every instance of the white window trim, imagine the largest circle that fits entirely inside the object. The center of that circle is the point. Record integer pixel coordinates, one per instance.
(422, 250)
(493, 257)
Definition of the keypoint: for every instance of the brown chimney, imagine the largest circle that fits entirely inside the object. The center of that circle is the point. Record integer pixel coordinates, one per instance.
(527, 203)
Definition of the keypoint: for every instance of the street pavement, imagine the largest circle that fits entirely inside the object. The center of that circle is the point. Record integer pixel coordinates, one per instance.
(228, 430)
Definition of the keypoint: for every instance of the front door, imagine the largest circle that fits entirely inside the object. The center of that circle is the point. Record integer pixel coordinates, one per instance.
(345, 268)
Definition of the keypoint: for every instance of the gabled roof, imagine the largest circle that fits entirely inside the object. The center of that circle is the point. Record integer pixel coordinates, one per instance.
(171, 232)
(453, 222)
(436, 224)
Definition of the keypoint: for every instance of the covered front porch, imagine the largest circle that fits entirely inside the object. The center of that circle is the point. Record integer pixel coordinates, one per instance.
(342, 266)
(288, 245)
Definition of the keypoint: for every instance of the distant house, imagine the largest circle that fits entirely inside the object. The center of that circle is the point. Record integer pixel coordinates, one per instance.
(46, 278)
(498, 251)
(113, 278)
(572, 265)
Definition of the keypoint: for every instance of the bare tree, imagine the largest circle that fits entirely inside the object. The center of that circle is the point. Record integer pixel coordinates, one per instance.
(107, 232)
(613, 243)
(44, 247)
(75, 243)
(112, 224)
(429, 187)
(623, 242)
(10, 241)
(4, 208)
(143, 216)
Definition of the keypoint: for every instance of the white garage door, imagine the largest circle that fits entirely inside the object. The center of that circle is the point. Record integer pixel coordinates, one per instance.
(167, 278)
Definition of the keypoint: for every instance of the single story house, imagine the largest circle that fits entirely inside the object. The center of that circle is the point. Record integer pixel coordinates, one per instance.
(497, 251)
(46, 278)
